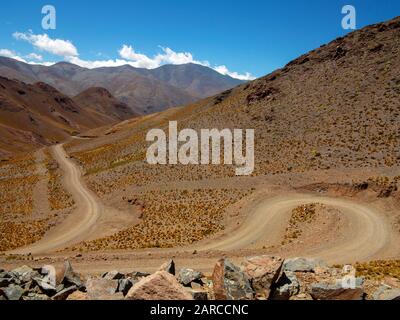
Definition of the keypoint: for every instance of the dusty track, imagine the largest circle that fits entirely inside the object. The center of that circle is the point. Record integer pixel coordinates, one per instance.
(368, 233)
(80, 222)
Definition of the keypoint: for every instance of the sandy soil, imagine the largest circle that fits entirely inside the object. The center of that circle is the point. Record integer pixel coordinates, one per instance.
(366, 233)
(90, 220)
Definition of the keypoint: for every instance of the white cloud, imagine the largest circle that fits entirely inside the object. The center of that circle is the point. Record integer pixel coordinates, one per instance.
(171, 57)
(11, 54)
(139, 60)
(35, 56)
(58, 47)
(129, 56)
(224, 70)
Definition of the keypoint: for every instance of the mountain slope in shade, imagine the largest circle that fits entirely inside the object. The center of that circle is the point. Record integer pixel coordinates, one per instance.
(32, 115)
(100, 101)
(142, 90)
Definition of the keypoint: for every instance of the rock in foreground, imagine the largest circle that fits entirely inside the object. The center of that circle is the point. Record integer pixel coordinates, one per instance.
(158, 286)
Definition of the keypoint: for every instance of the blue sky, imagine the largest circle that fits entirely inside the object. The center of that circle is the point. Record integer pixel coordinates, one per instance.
(253, 37)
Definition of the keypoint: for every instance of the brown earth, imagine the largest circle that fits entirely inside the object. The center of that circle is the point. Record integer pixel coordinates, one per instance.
(327, 132)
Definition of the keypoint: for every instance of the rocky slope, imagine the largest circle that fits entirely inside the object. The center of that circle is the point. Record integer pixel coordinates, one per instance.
(258, 278)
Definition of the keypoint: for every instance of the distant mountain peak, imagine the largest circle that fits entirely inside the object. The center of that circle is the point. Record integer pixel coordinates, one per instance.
(144, 90)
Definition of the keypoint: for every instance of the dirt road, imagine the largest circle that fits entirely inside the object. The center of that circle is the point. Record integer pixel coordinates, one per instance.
(78, 224)
(368, 232)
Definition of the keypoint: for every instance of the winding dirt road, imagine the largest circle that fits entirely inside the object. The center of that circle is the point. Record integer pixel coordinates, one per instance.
(78, 224)
(368, 233)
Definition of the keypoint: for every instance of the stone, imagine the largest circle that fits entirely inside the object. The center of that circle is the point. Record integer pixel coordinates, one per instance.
(196, 286)
(158, 286)
(263, 272)
(286, 286)
(30, 285)
(198, 294)
(335, 291)
(124, 285)
(113, 275)
(6, 275)
(385, 292)
(302, 296)
(230, 283)
(101, 289)
(71, 277)
(4, 282)
(13, 292)
(35, 296)
(187, 276)
(63, 294)
(303, 264)
(25, 273)
(169, 267)
(22, 270)
(136, 275)
(45, 286)
(78, 295)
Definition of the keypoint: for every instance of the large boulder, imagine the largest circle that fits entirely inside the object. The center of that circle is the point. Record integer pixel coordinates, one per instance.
(78, 295)
(263, 272)
(158, 286)
(70, 277)
(286, 287)
(169, 267)
(230, 283)
(65, 275)
(103, 289)
(336, 291)
(187, 276)
(113, 275)
(63, 294)
(13, 292)
(303, 264)
(124, 285)
(24, 274)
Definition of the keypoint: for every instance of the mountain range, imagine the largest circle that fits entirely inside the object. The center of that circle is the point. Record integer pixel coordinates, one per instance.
(144, 91)
(40, 105)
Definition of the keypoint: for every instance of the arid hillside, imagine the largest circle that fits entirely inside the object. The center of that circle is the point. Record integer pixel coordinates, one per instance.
(326, 132)
(330, 115)
(35, 115)
(335, 107)
(101, 101)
